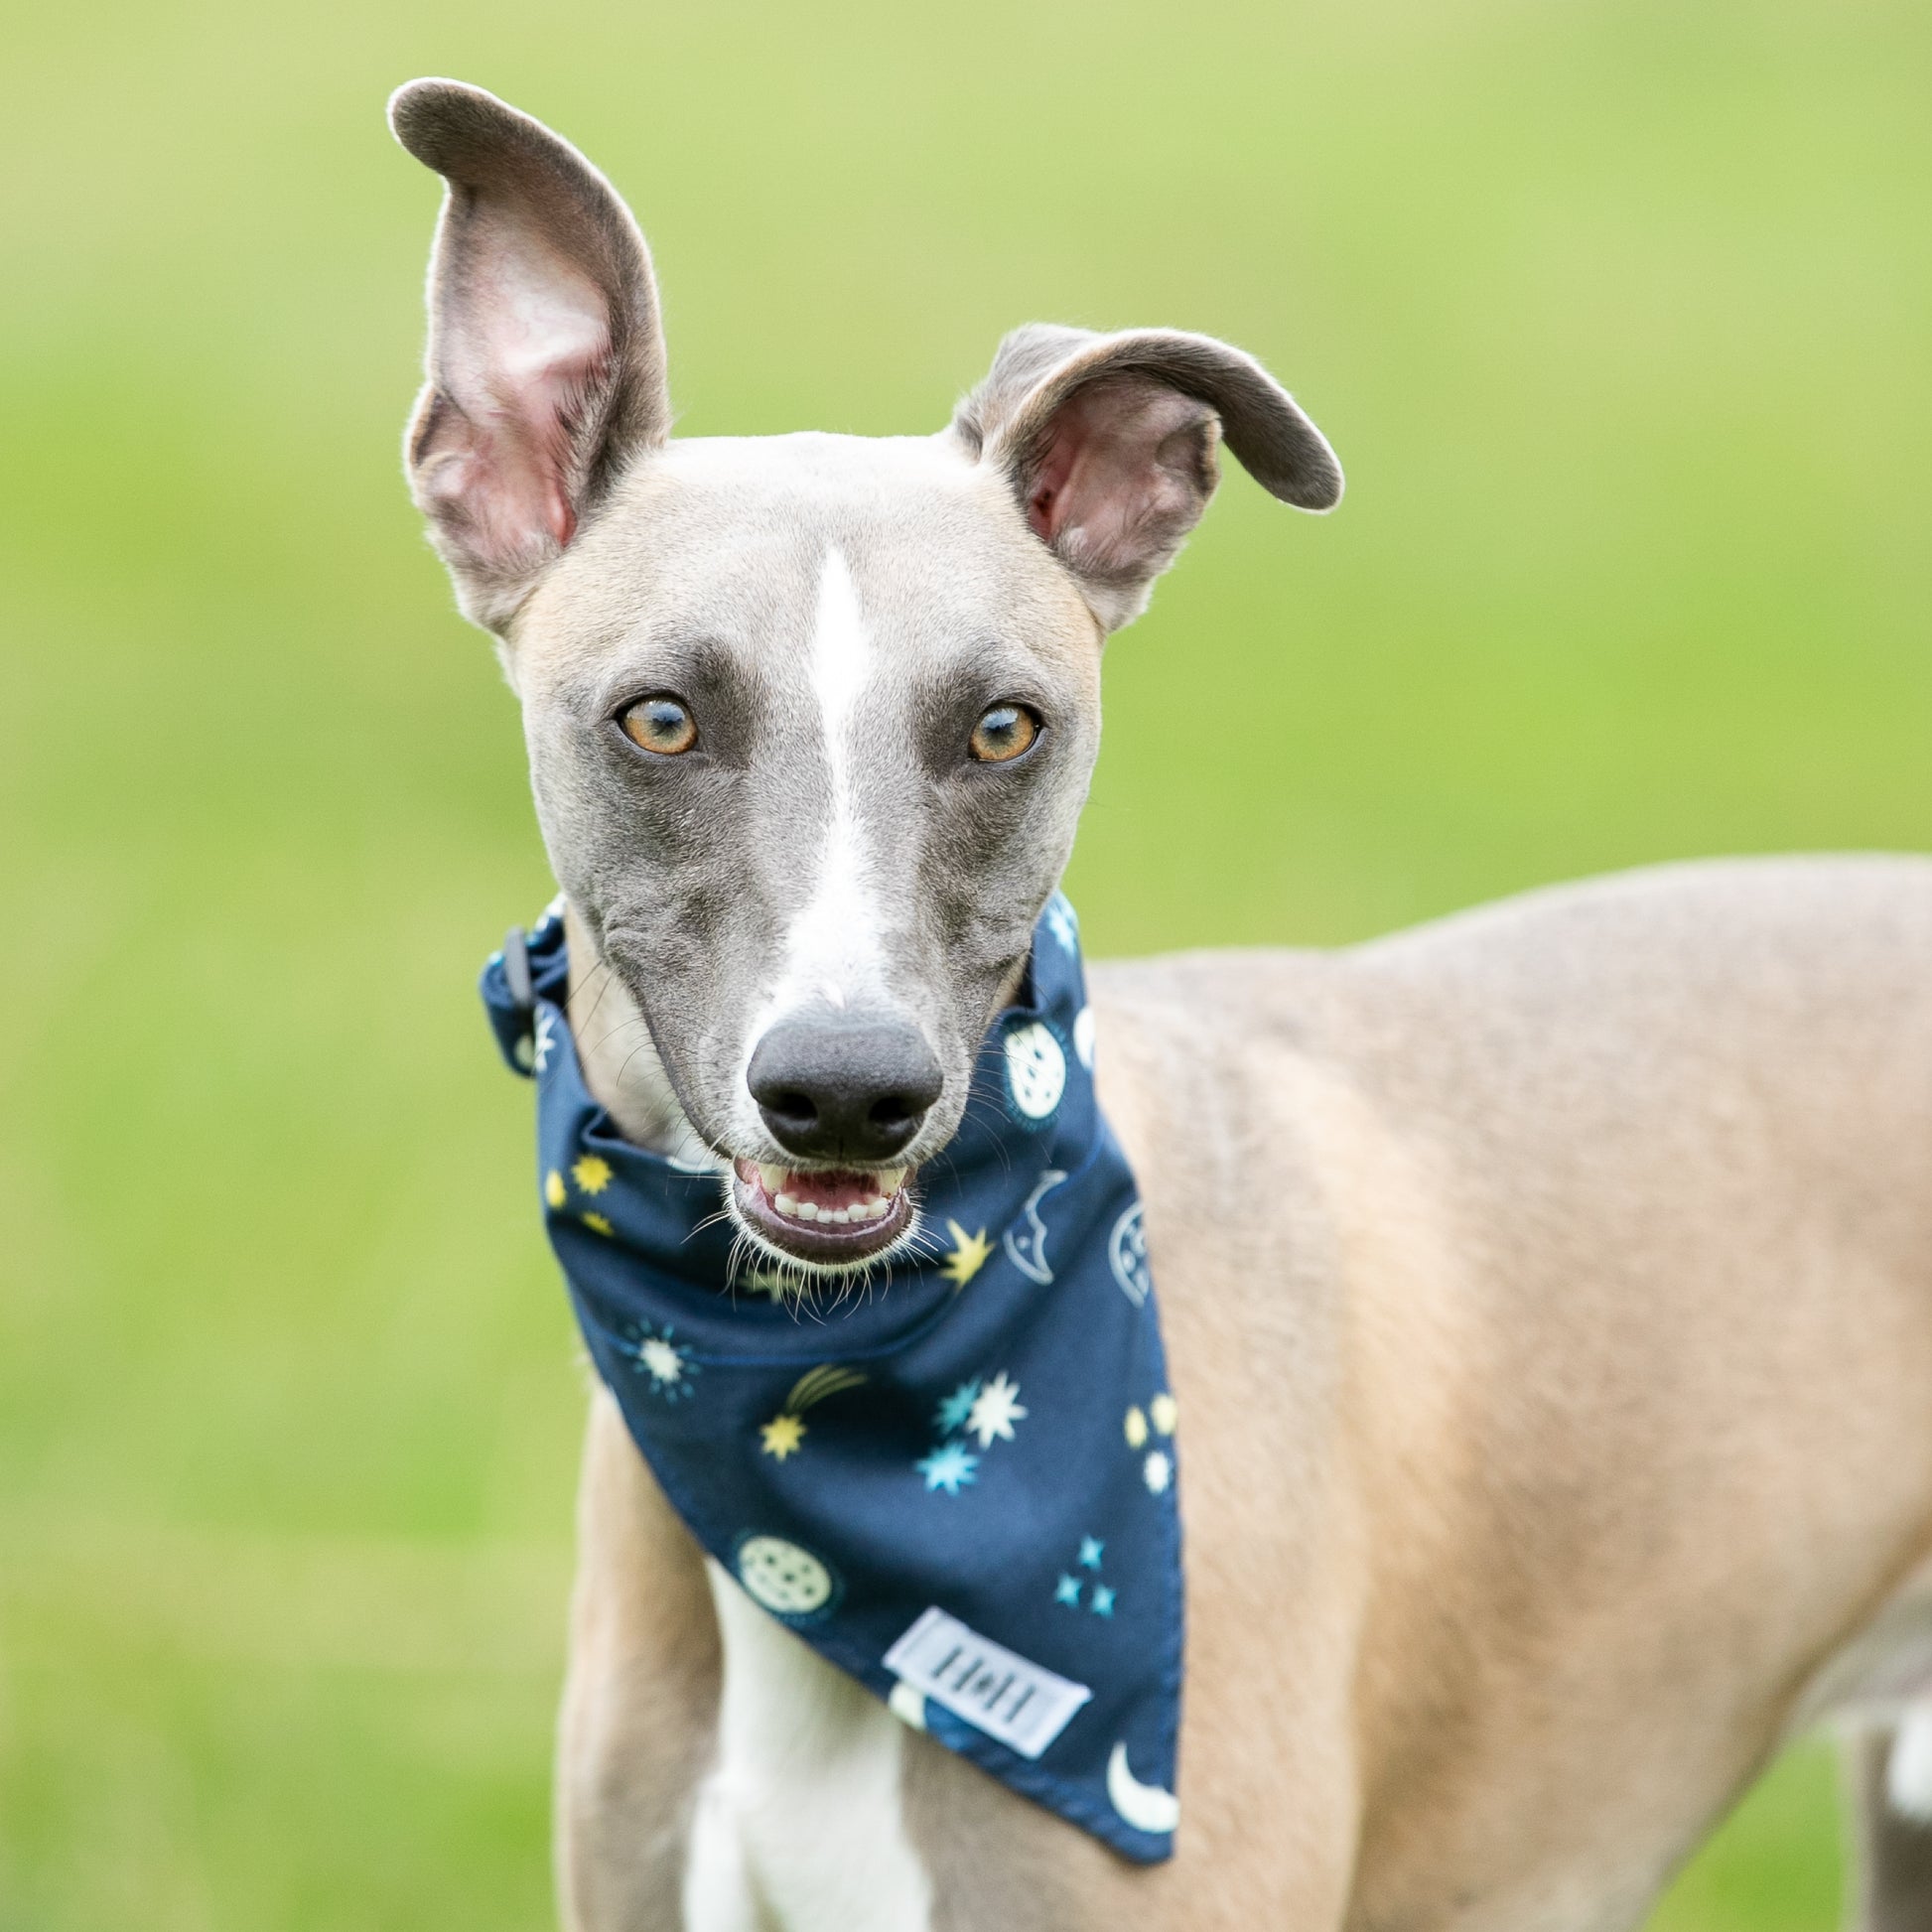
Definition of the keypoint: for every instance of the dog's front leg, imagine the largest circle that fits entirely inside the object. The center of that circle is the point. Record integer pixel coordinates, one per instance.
(640, 1705)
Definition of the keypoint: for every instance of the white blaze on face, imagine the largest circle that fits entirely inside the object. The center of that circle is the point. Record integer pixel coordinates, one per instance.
(833, 952)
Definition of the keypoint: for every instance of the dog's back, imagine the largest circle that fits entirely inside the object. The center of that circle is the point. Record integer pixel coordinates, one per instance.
(1551, 1300)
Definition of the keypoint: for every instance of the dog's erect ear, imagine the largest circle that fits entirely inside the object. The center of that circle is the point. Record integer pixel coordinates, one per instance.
(1109, 442)
(546, 360)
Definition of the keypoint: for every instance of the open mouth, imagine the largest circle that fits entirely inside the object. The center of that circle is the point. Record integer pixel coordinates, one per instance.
(834, 1217)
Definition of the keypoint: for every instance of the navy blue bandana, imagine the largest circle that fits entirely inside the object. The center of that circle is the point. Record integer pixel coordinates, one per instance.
(959, 1485)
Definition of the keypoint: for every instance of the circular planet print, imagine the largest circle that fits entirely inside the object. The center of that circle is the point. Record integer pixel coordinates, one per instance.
(1127, 1250)
(784, 1577)
(1036, 1071)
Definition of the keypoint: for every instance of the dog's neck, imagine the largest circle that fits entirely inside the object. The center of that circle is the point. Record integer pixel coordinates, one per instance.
(620, 1062)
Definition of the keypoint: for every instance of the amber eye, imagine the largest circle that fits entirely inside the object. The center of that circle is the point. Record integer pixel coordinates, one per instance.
(661, 724)
(1003, 733)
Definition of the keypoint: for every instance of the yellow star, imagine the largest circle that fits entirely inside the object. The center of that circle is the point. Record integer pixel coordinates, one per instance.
(782, 1435)
(968, 1257)
(1164, 1413)
(592, 1174)
(598, 1225)
(1135, 1428)
(553, 1189)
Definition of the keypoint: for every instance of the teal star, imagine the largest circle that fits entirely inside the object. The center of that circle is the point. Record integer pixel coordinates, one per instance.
(951, 1415)
(1068, 1591)
(947, 1468)
(1103, 1601)
(1090, 1549)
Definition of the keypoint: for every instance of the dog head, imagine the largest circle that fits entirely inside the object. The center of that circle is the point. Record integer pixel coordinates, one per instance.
(810, 718)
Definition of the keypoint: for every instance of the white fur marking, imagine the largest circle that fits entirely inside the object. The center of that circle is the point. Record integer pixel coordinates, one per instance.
(833, 949)
(1908, 1770)
(800, 1823)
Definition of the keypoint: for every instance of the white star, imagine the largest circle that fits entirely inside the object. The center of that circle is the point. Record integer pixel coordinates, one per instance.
(995, 1410)
(1157, 1470)
(546, 1037)
(663, 1362)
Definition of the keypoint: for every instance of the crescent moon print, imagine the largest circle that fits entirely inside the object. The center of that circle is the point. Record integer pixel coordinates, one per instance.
(1027, 1246)
(1145, 1806)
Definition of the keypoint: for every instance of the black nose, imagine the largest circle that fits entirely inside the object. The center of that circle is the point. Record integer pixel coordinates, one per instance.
(835, 1089)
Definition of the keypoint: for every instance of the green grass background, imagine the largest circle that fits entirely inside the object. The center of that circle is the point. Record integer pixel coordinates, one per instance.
(1619, 313)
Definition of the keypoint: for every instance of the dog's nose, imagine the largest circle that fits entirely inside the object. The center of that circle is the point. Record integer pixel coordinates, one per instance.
(844, 1089)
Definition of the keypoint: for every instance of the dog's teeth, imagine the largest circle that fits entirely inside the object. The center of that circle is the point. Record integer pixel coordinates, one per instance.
(855, 1216)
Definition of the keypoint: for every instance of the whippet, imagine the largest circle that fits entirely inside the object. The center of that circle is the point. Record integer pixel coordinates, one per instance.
(1548, 1292)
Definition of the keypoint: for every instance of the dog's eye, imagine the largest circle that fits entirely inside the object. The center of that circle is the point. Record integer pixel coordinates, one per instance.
(1003, 733)
(661, 724)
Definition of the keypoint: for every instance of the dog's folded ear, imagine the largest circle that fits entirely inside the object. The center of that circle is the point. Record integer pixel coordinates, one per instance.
(1109, 442)
(546, 360)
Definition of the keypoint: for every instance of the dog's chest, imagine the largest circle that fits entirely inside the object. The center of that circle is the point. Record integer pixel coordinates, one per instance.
(799, 1823)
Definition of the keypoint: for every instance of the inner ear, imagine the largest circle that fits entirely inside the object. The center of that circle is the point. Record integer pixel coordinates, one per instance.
(1110, 445)
(527, 361)
(545, 371)
(1120, 473)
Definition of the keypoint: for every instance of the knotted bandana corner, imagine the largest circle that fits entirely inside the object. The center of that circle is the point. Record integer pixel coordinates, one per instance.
(961, 1488)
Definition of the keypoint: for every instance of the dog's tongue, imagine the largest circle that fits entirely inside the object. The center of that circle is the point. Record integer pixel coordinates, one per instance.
(828, 1193)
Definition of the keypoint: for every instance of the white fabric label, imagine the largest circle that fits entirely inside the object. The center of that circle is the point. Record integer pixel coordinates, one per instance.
(1025, 1705)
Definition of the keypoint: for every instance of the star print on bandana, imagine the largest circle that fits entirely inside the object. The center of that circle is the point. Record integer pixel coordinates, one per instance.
(968, 1256)
(950, 1417)
(783, 1433)
(993, 1412)
(971, 1509)
(948, 1466)
(667, 1365)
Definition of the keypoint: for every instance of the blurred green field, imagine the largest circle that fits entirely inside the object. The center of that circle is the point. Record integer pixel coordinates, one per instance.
(1620, 315)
